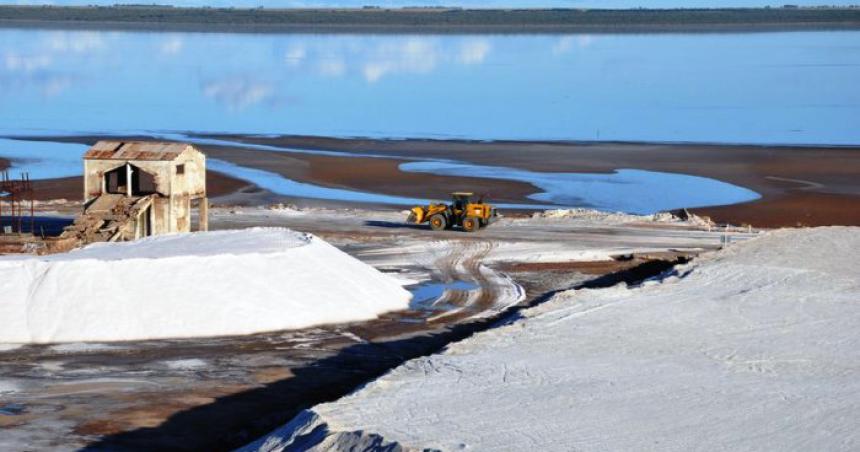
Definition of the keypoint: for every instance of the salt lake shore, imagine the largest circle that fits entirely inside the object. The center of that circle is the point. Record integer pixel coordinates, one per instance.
(798, 185)
(672, 265)
(748, 348)
(222, 391)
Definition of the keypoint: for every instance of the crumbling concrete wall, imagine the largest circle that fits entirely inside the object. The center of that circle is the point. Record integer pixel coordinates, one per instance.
(187, 183)
(178, 182)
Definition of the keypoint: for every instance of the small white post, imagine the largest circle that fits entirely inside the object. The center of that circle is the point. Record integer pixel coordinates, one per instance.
(128, 179)
(203, 214)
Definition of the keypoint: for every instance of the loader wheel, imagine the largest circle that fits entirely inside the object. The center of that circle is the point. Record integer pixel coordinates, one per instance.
(470, 224)
(438, 222)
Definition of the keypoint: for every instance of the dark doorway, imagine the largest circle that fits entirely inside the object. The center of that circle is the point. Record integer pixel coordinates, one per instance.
(142, 183)
(116, 181)
(144, 224)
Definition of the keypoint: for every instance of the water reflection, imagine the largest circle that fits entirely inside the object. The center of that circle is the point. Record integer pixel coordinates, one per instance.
(373, 57)
(754, 88)
(40, 67)
(42, 159)
(239, 92)
(624, 190)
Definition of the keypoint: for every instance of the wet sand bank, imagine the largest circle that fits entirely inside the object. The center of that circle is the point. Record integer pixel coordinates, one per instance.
(799, 185)
(378, 175)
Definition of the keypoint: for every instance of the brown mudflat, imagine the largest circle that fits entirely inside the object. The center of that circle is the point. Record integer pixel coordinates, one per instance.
(799, 185)
(765, 169)
(378, 175)
(791, 209)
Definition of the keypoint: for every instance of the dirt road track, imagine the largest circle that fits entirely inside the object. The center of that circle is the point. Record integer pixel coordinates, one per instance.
(465, 262)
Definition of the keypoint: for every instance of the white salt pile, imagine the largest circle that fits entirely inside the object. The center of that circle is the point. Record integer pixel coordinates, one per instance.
(189, 285)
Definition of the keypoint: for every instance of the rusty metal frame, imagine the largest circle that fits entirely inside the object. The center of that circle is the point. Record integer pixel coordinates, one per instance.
(18, 193)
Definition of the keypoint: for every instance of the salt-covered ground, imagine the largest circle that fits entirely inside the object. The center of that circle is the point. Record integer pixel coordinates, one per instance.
(751, 348)
(219, 392)
(190, 285)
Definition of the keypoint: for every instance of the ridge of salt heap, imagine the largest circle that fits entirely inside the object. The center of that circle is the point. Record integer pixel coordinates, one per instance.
(189, 285)
(754, 347)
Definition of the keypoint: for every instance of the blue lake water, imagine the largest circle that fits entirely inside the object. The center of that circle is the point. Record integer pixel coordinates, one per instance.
(43, 160)
(795, 87)
(276, 183)
(781, 87)
(626, 190)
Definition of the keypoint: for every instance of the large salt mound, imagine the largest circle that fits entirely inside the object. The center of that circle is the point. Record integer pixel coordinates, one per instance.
(751, 348)
(189, 285)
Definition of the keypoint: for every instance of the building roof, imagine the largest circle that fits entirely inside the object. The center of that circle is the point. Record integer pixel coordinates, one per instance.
(135, 150)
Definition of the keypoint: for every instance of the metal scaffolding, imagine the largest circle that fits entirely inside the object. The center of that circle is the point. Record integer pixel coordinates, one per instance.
(15, 194)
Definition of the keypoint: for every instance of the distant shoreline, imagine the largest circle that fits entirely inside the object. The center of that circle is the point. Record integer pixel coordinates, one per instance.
(428, 20)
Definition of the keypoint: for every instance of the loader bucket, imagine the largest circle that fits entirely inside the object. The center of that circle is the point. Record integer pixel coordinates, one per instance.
(416, 215)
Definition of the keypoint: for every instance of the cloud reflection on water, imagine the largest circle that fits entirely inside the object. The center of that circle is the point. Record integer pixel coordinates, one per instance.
(374, 57)
(41, 64)
(238, 93)
(553, 86)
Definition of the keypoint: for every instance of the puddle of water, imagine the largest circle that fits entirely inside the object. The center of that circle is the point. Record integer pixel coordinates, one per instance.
(281, 185)
(41, 225)
(12, 409)
(288, 187)
(424, 295)
(625, 190)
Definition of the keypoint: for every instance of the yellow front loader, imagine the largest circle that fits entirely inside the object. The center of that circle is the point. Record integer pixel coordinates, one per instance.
(462, 212)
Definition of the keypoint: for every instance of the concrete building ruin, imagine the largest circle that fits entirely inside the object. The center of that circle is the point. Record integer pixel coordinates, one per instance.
(134, 189)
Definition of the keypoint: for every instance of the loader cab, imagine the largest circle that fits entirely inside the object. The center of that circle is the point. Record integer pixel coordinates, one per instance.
(461, 200)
